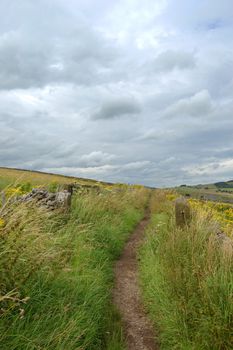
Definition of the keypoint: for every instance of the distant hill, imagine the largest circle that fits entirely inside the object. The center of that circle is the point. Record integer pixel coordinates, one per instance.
(216, 185)
(226, 184)
(221, 191)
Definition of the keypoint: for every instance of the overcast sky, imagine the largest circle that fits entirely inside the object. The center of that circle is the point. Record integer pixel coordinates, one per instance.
(118, 90)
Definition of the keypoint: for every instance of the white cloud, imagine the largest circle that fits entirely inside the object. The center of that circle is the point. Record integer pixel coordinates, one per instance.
(96, 158)
(114, 172)
(136, 165)
(131, 22)
(198, 105)
(216, 168)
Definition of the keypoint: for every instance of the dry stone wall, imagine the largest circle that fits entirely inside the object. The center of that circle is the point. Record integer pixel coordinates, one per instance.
(61, 199)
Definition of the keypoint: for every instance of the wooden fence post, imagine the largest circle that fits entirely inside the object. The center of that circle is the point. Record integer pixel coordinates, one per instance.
(183, 212)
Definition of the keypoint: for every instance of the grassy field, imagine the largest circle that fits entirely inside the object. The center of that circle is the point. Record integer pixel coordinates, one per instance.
(57, 270)
(13, 177)
(187, 280)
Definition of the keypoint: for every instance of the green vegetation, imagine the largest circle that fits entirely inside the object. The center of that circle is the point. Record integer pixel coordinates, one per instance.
(9, 177)
(187, 280)
(56, 271)
(227, 184)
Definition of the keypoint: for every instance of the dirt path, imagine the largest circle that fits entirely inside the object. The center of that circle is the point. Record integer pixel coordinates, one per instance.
(138, 330)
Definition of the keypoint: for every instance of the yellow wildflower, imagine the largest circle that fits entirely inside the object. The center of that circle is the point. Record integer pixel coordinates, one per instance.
(2, 222)
(13, 191)
(171, 196)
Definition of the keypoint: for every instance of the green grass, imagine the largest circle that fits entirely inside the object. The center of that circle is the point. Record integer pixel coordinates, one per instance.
(4, 182)
(187, 282)
(227, 189)
(64, 264)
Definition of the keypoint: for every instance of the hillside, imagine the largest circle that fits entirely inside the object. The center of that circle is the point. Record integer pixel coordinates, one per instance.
(219, 191)
(11, 176)
(97, 266)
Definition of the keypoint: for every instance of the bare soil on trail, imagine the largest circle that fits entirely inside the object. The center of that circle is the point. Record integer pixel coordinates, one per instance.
(137, 328)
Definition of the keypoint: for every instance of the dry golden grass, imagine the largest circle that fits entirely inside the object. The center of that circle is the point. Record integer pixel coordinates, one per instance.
(12, 176)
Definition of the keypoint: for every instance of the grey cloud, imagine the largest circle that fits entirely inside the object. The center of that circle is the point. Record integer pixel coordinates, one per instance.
(156, 135)
(217, 167)
(84, 93)
(63, 49)
(20, 64)
(117, 107)
(169, 60)
(112, 172)
(219, 76)
(198, 105)
(214, 24)
(96, 158)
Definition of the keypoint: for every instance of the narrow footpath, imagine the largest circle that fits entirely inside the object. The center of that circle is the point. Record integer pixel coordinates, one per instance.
(138, 331)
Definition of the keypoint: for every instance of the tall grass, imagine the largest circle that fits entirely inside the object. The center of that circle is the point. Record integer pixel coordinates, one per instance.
(187, 281)
(56, 272)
